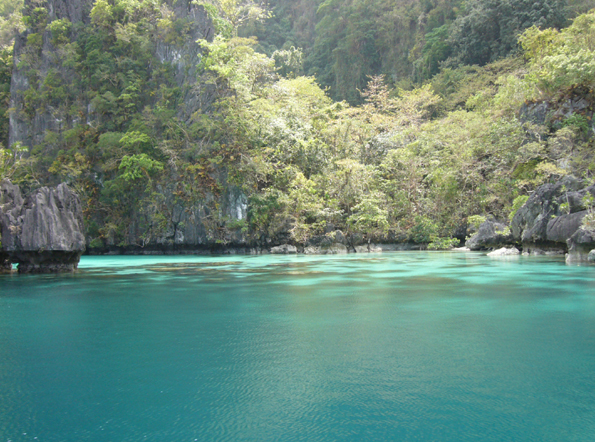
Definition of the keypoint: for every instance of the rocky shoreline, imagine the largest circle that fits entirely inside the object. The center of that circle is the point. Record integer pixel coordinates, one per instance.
(44, 233)
(283, 249)
(550, 222)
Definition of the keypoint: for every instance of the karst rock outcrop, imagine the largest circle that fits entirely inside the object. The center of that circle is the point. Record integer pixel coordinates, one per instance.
(42, 232)
(550, 220)
(491, 234)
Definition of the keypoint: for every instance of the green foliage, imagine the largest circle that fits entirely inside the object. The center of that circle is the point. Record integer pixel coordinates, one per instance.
(476, 220)
(588, 202)
(368, 216)
(102, 14)
(235, 65)
(229, 15)
(504, 232)
(424, 230)
(344, 42)
(10, 160)
(517, 203)
(443, 244)
(263, 210)
(436, 49)
(36, 18)
(139, 166)
(489, 28)
(289, 62)
(410, 160)
(11, 22)
(579, 121)
(561, 60)
(60, 30)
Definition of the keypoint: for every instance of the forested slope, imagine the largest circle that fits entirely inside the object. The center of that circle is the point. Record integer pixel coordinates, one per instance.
(180, 131)
(345, 41)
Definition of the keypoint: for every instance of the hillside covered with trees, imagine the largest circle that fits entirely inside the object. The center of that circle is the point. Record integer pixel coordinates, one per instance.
(219, 122)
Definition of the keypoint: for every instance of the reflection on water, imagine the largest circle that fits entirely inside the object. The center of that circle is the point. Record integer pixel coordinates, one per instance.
(401, 346)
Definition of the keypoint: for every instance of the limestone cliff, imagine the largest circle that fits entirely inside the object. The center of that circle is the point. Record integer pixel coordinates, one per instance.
(42, 232)
(184, 223)
(30, 130)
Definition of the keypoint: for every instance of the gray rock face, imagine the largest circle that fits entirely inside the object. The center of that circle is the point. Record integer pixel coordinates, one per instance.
(591, 256)
(20, 129)
(551, 216)
(529, 224)
(547, 113)
(185, 60)
(332, 249)
(44, 231)
(74, 11)
(536, 251)
(368, 248)
(284, 249)
(580, 245)
(561, 228)
(490, 234)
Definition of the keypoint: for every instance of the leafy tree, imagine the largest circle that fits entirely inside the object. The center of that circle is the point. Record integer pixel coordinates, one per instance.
(229, 15)
(436, 49)
(561, 60)
(489, 28)
(10, 21)
(10, 160)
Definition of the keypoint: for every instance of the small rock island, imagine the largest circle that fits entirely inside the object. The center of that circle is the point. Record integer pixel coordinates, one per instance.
(41, 232)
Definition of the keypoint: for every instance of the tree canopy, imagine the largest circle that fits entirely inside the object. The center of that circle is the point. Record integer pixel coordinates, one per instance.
(393, 119)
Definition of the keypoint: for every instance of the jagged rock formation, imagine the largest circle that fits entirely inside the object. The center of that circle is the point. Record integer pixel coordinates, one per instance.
(42, 232)
(189, 227)
(550, 222)
(554, 113)
(551, 217)
(580, 246)
(491, 234)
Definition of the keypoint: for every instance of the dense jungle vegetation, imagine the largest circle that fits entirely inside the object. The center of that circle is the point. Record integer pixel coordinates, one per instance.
(397, 119)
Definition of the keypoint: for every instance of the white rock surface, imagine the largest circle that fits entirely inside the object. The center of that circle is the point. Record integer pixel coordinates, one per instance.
(284, 249)
(505, 252)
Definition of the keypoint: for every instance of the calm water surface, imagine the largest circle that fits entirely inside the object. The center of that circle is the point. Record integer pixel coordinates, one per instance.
(391, 347)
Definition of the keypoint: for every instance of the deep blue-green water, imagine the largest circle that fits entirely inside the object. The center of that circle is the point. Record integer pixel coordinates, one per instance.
(388, 347)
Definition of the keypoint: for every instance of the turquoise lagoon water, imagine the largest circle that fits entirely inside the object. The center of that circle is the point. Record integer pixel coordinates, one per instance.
(388, 347)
